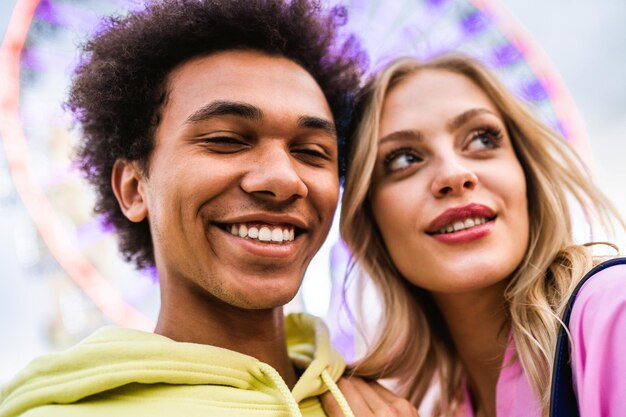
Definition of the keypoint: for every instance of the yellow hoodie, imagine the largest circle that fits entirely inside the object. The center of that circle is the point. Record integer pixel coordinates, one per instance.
(121, 372)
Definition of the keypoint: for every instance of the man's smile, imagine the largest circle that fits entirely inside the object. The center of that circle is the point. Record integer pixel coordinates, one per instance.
(264, 232)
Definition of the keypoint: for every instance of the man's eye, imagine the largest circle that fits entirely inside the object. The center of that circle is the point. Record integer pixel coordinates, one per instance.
(225, 140)
(312, 154)
(401, 159)
(224, 144)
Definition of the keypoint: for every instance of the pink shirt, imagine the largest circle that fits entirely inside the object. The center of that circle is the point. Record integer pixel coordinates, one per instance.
(598, 328)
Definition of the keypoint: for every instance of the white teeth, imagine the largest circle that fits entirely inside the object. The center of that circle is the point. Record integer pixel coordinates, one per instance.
(269, 233)
(265, 234)
(462, 225)
(277, 235)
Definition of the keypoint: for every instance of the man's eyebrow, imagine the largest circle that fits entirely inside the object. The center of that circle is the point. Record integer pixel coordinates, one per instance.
(312, 122)
(464, 117)
(225, 108)
(402, 135)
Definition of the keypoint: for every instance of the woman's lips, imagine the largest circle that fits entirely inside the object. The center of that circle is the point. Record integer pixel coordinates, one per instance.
(462, 224)
(466, 235)
(459, 218)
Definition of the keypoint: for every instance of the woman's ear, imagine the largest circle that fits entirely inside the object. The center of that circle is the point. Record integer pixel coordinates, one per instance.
(128, 185)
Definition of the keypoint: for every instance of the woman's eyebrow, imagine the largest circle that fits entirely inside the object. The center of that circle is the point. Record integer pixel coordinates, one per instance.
(402, 135)
(464, 117)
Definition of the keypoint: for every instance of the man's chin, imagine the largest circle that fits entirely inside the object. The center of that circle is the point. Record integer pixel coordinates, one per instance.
(264, 301)
(257, 297)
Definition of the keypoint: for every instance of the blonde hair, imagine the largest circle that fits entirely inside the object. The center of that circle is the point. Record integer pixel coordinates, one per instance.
(411, 345)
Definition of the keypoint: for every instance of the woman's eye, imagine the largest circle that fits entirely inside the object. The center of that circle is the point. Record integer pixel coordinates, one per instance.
(486, 138)
(401, 159)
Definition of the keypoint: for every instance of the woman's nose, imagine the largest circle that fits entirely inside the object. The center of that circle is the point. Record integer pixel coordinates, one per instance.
(453, 178)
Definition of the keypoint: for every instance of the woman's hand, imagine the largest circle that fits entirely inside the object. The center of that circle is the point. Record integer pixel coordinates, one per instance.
(368, 399)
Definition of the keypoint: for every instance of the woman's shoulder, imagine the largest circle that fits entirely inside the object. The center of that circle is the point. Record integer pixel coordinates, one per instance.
(607, 284)
(598, 330)
(601, 300)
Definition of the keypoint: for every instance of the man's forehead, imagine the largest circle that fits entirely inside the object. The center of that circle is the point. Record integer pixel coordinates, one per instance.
(269, 83)
(243, 68)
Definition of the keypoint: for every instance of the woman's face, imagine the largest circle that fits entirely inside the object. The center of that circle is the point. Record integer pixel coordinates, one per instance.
(448, 192)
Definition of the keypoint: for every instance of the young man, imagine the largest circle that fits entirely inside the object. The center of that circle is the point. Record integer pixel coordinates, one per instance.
(210, 134)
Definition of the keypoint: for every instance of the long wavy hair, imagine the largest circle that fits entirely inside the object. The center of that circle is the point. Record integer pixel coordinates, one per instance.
(413, 345)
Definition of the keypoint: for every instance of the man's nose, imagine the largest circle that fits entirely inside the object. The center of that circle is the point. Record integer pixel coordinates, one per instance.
(453, 177)
(274, 176)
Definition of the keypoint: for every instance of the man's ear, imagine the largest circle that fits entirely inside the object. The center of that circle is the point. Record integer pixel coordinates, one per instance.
(128, 185)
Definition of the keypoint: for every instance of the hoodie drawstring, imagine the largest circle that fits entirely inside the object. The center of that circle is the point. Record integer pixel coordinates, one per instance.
(337, 394)
(294, 410)
(273, 374)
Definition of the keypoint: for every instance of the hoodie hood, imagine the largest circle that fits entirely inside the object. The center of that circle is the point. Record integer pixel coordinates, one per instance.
(114, 357)
(308, 344)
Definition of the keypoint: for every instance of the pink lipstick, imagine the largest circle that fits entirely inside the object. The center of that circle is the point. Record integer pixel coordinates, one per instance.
(462, 224)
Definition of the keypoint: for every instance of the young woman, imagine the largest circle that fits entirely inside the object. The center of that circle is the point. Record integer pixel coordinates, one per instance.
(457, 205)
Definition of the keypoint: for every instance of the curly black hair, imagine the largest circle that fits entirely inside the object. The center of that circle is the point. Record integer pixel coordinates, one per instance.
(120, 86)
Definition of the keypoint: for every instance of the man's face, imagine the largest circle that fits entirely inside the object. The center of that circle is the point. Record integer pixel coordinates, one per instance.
(243, 181)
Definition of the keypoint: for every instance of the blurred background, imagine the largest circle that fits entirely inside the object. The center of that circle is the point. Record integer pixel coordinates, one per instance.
(552, 51)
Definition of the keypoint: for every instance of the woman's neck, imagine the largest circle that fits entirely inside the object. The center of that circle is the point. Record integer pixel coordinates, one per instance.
(476, 322)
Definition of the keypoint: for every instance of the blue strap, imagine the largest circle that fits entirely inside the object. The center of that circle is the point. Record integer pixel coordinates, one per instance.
(563, 401)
